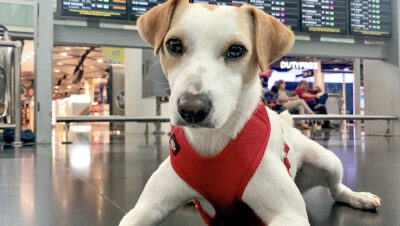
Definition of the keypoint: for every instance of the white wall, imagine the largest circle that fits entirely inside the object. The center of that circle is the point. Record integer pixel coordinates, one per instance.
(135, 105)
(382, 95)
(382, 81)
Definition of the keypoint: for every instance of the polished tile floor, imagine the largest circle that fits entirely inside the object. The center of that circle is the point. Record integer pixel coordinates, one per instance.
(99, 177)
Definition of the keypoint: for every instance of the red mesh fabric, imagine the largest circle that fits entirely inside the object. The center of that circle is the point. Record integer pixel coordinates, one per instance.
(221, 179)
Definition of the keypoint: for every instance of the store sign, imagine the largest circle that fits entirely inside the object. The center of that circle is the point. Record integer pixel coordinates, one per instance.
(299, 65)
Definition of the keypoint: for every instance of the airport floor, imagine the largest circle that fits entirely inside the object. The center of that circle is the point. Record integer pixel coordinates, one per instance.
(99, 177)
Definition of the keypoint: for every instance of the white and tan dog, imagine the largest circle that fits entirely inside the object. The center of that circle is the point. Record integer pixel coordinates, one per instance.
(213, 53)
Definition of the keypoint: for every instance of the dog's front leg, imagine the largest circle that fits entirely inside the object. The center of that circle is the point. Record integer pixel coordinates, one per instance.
(274, 196)
(164, 192)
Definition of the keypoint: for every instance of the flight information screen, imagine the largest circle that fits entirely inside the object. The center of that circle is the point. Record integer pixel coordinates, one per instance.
(324, 16)
(236, 3)
(139, 7)
(109, 9)
(287, 11)
(370, 17)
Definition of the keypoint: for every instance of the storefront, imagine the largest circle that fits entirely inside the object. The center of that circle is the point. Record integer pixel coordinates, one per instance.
(334, 76)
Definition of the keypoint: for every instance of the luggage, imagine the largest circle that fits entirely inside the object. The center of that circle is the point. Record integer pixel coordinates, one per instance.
(26, 136)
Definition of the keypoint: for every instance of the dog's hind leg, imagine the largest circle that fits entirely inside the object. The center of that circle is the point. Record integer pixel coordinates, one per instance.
(322, 168)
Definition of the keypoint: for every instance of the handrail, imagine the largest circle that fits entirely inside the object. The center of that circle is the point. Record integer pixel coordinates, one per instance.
(117, 118)
(3, 27)
(14, 44)
(114, 118)
(345, 117)
(7, 126)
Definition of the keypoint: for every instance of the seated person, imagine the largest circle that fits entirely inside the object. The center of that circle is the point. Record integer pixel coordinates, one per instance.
(270, 98)
(289, 103)
(315, 99)
(264, 84)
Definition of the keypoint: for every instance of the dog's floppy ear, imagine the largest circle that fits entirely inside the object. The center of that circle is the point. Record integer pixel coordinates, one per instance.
(272, 39)
(154, 24)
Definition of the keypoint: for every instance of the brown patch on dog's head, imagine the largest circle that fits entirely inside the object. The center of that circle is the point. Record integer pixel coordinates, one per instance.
(154, 25)
(246, 28)
(272, 39)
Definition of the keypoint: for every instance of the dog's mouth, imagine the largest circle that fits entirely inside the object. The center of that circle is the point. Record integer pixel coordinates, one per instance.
(204, 124)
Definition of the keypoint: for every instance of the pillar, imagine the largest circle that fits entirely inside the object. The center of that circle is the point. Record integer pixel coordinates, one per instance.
(356, 92)
(135, 105)
(43, 79)
(319, 77)
(381, 85)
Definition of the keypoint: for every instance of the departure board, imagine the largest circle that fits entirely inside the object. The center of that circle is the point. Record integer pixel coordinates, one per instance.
(324, 16)
(370, 17)
(139, 7)
(109, 9)
(287, 11)
(236, 3)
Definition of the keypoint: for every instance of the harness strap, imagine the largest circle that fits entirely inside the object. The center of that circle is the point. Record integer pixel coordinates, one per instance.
(286, 160)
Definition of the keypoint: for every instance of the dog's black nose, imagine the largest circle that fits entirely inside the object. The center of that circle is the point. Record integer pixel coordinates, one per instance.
(194, 108)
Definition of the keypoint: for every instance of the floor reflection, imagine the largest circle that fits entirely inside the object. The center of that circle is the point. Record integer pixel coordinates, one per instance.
(99, 177)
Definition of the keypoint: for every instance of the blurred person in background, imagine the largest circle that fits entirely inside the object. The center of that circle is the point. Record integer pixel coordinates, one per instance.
(269, 98)
(290, 103)
(264, 85)
(315, 99)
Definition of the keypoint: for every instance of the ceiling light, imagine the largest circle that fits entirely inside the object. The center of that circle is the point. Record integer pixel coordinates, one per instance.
(336, 69)
(69, 87)
(346, 69)
(59, 63)
(100, 60)
(57, 70)
(28, 56)
(67, 48)
(56, 87)
(64, 54)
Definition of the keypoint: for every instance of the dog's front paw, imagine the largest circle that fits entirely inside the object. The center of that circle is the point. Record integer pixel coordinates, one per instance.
(363, 200)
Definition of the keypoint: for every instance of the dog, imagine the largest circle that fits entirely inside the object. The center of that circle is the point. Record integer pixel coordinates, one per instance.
(211, 56)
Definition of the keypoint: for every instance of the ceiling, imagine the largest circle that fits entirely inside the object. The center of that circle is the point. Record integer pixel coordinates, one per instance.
(27, 57)
(65, 60)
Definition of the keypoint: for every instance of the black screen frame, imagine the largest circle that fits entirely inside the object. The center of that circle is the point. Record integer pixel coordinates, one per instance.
(359, 34)
(130, 21)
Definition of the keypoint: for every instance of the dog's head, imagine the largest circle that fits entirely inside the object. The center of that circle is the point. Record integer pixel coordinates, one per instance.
(209, 53)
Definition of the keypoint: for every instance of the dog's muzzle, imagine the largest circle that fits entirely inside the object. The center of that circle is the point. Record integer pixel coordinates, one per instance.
(194, 109)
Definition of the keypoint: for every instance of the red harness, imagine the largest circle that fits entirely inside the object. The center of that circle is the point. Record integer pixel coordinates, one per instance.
(222, 179)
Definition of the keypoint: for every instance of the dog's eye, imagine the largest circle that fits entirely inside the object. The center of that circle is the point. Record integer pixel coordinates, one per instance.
(235, 52)
(175, 46)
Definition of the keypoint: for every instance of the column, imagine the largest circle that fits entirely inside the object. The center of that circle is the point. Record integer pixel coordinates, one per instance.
(43, 37)
(135, 105)
(319, 77)
(356, 92)
(381, 86)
